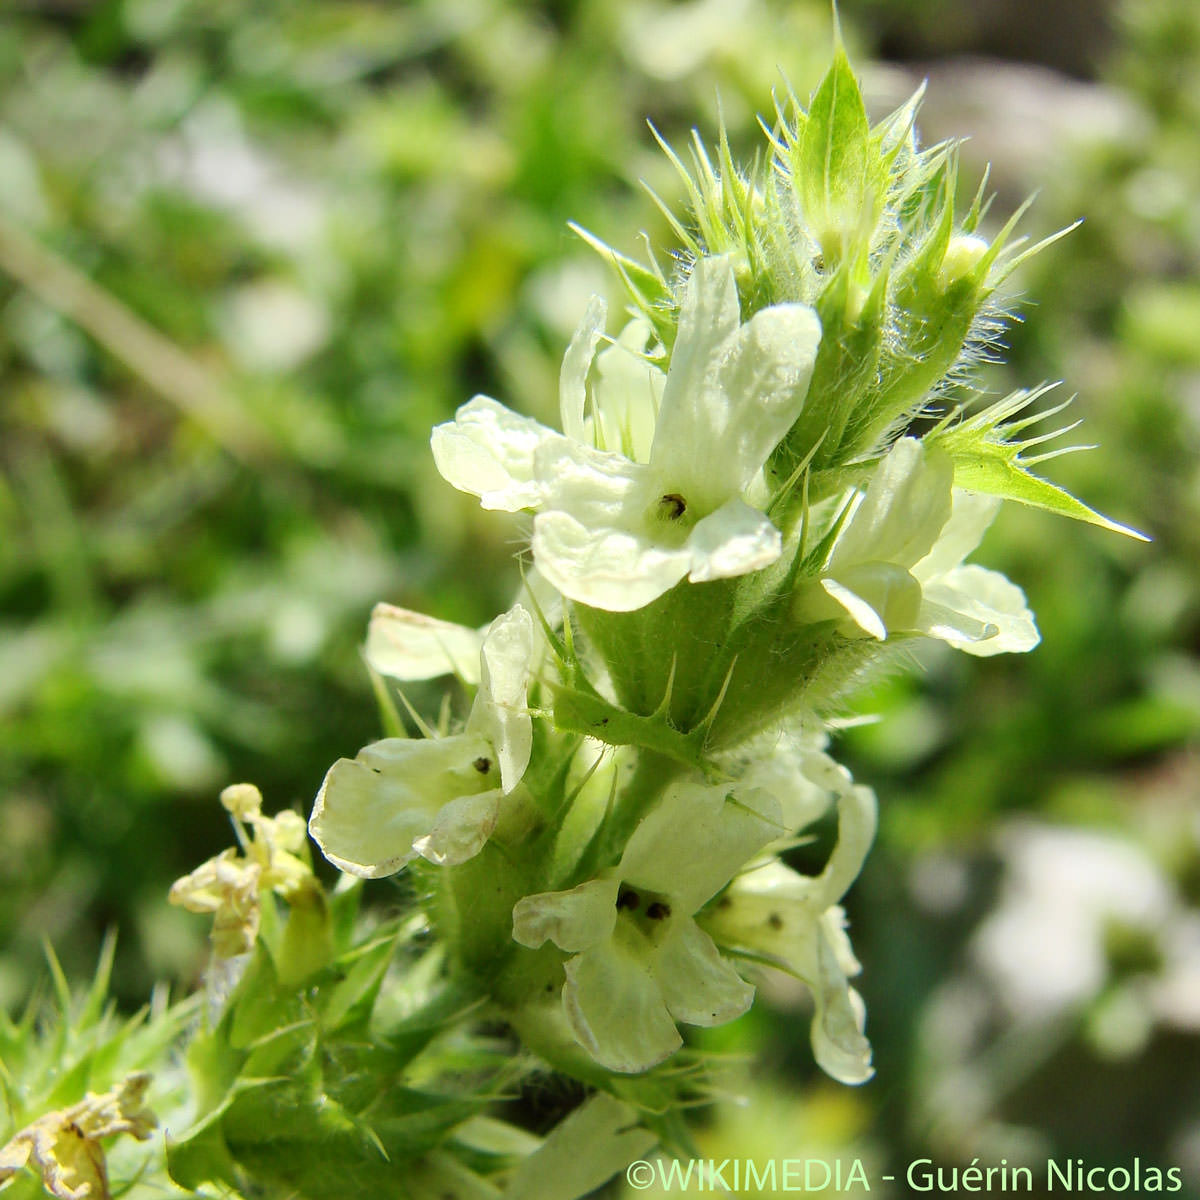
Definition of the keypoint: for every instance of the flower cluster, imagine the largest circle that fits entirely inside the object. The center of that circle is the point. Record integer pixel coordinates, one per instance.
(733, 522)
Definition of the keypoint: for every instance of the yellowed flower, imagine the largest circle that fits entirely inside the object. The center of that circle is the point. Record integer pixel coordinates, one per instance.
(229, 885)
(64, 1146)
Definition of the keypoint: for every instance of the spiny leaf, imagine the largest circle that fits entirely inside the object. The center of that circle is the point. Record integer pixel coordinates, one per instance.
(987, 458)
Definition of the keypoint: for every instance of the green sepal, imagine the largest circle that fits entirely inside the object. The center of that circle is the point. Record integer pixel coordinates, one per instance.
(301, 1096)
(350, 1001)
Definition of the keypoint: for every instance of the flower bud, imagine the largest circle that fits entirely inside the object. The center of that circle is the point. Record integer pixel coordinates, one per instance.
(963, 252)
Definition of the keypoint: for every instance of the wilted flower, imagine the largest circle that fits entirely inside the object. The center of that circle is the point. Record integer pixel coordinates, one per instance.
(229, 885)
(64, 1147)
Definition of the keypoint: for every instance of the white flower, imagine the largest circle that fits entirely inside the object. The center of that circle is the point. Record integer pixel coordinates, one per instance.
(407, 645)
(616, 530)
(439, 798)
(641, 962)
(795, 769)
(795, 922)
(896, 565)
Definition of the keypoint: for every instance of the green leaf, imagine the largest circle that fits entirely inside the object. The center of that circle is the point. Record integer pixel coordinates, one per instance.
(350, 1002)
(987, 458)
(989, 472)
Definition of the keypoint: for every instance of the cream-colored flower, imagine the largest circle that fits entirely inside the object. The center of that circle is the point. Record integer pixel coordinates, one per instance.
(640, 961)
(614, 530)
(794, 922)
(438, 797)
(897, 563)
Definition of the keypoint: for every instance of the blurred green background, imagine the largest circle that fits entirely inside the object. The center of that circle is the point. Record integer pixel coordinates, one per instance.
(249, 253)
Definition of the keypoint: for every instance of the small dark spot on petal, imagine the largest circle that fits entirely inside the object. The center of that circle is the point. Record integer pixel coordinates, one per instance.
(628, 899)
(724, 903)
(658, 911)
(775, 921)
(482, 765)
(377, 770)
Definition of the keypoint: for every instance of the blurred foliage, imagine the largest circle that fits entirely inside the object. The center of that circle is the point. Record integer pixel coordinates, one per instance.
(249, 254)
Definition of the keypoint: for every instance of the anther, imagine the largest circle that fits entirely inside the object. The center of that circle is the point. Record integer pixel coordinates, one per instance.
(673, 506)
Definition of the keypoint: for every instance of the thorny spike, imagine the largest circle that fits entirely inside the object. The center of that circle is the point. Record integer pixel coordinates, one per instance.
(561, 647)
(1049, 437)
(600, 757)
(706, 723)
(981, 203)
(664, 705)
(1041, 458)
(1013, 264)
(443, 722)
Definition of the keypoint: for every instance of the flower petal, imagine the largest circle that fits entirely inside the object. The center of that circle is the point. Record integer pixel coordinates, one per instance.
(857, 820)
(616, 1010)
(906, 506)
(861, 613)
(499, 713)
(838, 1043)
(461, 828)
(699, 986)
(692, 843)
(802, 777)
(734, 540)
(598, 488)
(986, 597)
(572, 377)
(738, 396)
(970, 515)
(365, 825)
(627, 394)
(584, 1150)
(488, 451)
(573, 920)
(606, 568)
(409, 645)
(708, 315)
(371, 808)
